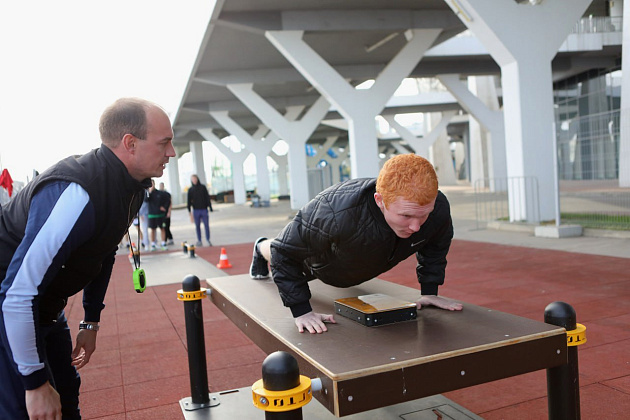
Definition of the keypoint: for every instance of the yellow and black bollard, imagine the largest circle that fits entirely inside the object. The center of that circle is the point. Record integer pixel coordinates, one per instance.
(282, 391)
(563, 386)
(191, 251)
(185, 247)
(192, 294)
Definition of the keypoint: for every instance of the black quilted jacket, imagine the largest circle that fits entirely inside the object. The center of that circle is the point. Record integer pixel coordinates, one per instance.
(341, 237)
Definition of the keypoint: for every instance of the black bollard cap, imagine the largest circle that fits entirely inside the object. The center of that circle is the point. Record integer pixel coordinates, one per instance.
(280, 372)
(561, 314)
(191, 283)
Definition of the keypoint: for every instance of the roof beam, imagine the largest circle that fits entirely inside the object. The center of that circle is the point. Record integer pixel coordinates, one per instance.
(339, 20)
(281, 75)
(360, 20)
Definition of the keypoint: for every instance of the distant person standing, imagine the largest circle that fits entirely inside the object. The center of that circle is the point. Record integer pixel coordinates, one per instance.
(168, 203)
(143, 220)
(157, 212)
(199, 202)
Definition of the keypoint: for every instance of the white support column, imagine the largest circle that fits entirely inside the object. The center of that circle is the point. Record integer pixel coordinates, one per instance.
(624, 117)
(421, 144)
(283, 172)
(237, 159)
(440, 154)
(196, 148)
(358, 107)
(259, 148)
(173, 179)
(486, 113)
(295, 133)
(479, 160)
(523, 38)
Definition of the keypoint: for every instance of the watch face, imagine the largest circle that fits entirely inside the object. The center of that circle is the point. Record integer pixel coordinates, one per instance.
(86, 326)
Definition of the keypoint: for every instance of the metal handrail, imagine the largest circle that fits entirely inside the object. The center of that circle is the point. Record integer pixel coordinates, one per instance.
(494, 195)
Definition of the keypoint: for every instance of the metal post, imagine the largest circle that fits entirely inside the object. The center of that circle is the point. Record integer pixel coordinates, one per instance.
(563, 387)
(192, 294)
(185, 247)
(282, 391)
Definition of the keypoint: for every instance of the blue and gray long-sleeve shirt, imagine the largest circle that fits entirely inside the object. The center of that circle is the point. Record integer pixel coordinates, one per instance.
(59, 236)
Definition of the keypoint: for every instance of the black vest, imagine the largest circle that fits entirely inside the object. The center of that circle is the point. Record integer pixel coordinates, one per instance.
(116, 198)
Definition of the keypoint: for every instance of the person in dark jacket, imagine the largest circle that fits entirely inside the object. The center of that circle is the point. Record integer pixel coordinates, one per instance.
(158, 207)
(168, 204)
(59, 236)
(198, 205)
(358, 229)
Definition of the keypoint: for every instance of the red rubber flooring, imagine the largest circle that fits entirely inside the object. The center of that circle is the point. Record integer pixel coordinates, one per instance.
(140, 367)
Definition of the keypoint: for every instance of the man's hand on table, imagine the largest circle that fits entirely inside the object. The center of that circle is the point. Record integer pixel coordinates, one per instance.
(314, 322)
(440, 302)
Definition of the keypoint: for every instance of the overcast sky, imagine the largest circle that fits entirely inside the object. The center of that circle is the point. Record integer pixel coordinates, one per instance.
(63, 62)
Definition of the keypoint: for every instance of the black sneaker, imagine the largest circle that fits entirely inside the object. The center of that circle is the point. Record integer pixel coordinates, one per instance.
(259, 269)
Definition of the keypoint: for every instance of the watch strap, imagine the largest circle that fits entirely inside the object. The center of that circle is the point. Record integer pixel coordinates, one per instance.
(88, 326)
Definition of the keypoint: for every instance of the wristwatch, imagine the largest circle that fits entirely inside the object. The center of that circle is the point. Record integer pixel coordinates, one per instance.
(88, 326)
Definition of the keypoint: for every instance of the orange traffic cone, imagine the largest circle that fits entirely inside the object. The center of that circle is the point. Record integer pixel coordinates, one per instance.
(223, 261)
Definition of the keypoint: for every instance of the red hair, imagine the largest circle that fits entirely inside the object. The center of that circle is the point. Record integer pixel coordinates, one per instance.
(409, 176)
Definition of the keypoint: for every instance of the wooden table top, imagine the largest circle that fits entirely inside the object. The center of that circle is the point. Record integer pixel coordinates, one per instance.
(369, 367)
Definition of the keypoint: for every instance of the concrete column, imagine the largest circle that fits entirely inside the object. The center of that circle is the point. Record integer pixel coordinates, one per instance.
(441, 156)
(467, 159)
(295, 133)
(358, 107)
(421, 145)
(479, 165)
(283, 172)
(196, 148)
(459, 155)
(173, 180)
(624, 117)
(523, 38)
(484, 88)
(479, 99)
(237, 159)
(260, 148)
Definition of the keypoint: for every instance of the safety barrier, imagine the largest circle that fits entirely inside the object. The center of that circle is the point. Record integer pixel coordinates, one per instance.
(563, 382)
(188, 249)
(282, 391)
(191, 294)
(513, 199)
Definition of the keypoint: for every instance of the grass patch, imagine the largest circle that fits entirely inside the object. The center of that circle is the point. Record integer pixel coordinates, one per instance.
(597, 220)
